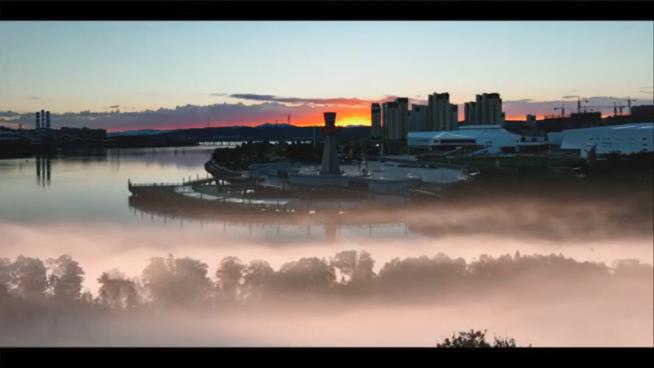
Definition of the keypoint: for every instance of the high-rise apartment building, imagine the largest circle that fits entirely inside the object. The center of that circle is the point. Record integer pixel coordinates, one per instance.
(441, 113)
(418, 118)
(395, 119)
(485, 110)
(375, 123)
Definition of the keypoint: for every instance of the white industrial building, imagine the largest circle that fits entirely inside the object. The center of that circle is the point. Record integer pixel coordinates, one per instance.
(493, 139)
(486, 139)
(625, 139)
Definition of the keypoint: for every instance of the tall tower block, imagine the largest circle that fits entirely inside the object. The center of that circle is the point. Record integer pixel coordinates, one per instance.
(375, 123)
(329, 157)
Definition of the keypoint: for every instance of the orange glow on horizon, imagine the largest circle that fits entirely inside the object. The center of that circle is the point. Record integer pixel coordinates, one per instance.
(353, 120)
(344, 116)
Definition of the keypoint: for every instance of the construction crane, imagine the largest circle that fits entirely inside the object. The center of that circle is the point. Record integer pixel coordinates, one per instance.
(629, 101)
(579, 104)
(562, 108)
(579, 101)
(617, 108)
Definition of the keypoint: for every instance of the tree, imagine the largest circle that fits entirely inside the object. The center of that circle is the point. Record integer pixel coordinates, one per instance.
(116, 291)
(306, 274)
(175, 282)
(5, 268)
(631, 268)
(191, 281)
(357, 267)
(157, 277)
(66, 278)
(475, 339)
(257, 277)
(28, 277)
(345, 262)
(229, 274)
(364, 273)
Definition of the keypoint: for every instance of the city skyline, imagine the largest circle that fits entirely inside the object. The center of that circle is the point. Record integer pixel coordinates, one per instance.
(165, 75)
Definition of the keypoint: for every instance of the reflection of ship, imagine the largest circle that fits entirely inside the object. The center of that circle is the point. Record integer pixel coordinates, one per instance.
(302, 223)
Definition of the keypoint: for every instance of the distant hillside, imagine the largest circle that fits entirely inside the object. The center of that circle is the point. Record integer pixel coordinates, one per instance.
(138, 132)
(261, 132)
(147, 138)
(272, 125)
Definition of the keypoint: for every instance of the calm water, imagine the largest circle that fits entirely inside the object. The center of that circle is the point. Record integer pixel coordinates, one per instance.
(89, 187)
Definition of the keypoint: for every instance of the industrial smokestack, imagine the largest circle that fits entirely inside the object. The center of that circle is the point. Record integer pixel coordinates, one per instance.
(329, 157)
(38, 120)
(47, 119)
(330, 120)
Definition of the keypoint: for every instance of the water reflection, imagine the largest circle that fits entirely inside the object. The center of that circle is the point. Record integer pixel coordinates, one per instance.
(43, 170)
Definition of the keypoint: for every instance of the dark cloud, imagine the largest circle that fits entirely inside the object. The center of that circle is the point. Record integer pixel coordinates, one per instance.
(114, 106)
(568, 97)
(517, 101)
(251, 96)
(9, 114)
(297, 100)
(186, 116)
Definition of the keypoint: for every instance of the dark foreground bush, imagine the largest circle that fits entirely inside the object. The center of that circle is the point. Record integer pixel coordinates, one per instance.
(475, 339)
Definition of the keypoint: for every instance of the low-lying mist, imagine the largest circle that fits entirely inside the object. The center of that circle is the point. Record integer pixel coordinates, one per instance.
(546, 271)
(543, 300)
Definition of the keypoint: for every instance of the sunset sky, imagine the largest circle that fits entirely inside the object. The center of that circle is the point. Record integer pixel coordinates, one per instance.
(189, 74)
